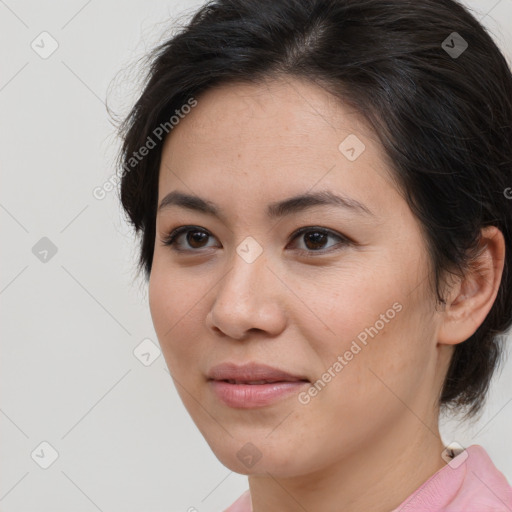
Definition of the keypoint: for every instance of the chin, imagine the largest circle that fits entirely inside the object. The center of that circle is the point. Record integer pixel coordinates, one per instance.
(259, 456)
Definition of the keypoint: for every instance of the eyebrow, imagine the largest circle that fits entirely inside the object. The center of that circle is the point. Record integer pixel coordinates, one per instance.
(274, 210)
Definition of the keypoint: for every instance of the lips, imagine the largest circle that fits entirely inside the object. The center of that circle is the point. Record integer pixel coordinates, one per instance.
(251, 373)
(253, 385)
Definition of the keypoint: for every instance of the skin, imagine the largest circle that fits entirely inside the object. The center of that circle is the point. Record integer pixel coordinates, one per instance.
(370, 437)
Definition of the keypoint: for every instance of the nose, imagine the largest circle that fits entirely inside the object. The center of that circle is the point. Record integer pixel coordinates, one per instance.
(249, 297)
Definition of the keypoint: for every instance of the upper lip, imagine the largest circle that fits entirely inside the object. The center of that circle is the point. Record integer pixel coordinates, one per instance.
(251, 372)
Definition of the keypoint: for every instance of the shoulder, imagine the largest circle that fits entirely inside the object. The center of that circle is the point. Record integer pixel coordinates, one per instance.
(485, 487)
(469, 482)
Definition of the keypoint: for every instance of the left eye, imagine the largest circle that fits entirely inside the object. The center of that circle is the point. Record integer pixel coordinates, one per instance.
(314, 238)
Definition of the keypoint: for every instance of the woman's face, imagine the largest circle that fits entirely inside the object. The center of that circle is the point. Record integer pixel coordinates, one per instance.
(349, 310)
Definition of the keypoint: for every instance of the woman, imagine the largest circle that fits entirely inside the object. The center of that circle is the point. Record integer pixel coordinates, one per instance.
(267, 129)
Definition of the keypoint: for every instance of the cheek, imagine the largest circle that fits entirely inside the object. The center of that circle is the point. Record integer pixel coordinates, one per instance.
(174, 311)
(378, 339)
(370, 387)
(161, 303)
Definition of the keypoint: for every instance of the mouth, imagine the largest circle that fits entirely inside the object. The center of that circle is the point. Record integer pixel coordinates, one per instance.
(253, 385)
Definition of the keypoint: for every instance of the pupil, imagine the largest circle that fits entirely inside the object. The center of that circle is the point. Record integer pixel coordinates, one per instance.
(316, 237)
(196, 236)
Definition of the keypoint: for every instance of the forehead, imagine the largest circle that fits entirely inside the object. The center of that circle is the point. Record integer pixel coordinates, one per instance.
(268, 140)
(270, 113)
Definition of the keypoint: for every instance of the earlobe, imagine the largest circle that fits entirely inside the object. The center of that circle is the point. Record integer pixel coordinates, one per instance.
(472, 297)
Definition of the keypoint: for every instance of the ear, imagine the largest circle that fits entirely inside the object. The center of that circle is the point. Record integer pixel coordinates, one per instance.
(471, 298)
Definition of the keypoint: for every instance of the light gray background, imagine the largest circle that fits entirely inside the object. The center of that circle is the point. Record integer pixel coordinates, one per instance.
(69, 376)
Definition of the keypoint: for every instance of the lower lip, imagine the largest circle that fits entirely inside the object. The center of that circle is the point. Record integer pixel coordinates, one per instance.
(246, 396)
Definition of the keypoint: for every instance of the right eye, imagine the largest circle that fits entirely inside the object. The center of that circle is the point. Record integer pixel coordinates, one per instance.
(195, 238)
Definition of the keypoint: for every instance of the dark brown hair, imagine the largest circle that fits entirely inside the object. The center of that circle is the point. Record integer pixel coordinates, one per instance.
(443, 117)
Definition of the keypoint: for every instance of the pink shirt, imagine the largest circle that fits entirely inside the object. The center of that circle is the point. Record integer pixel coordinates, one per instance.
(469, 483)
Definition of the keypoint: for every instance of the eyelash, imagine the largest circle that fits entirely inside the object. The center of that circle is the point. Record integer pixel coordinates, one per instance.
(170, 240)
